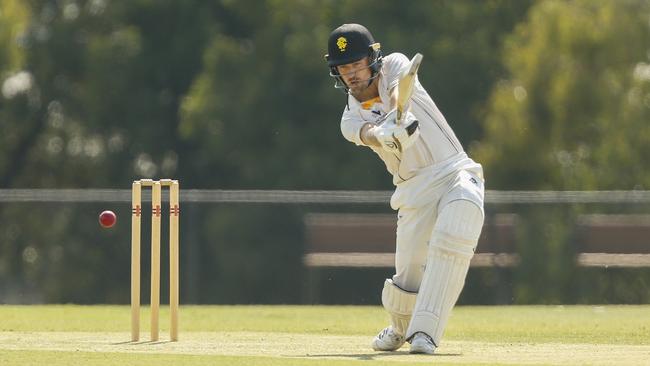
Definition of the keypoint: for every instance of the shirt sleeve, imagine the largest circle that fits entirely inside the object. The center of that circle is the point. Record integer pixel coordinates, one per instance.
(394, 65)
(351, 124)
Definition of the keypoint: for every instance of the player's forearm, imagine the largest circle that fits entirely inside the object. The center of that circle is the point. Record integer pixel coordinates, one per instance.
(393, 98)
(368, 137)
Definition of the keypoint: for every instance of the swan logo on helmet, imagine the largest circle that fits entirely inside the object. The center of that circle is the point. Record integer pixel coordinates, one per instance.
(342, 43)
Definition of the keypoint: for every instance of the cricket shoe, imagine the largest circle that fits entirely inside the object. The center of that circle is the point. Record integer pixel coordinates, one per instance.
(422, 343)
(388, 340)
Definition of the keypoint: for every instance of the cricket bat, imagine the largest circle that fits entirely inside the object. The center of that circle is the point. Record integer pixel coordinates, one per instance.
(405, 86)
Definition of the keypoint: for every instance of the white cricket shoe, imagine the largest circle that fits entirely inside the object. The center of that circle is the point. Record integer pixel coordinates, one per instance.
(422, 343)
(388, 340)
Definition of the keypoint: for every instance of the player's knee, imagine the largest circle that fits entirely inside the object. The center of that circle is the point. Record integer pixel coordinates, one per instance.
(458, 227)
(461, 219)
(409, 269)
(410, 281)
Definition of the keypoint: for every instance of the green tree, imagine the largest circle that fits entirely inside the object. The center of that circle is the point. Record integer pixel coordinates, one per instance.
(13, 21)
(573, 113)
(263, 114)
(101, 109)
(108, 79)
(225, 94)
(15, 81)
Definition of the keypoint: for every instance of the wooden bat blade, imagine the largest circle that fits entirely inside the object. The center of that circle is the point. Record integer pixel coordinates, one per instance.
(405, 85)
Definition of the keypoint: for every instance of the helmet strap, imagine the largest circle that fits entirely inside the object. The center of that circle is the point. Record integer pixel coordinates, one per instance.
(376, 60)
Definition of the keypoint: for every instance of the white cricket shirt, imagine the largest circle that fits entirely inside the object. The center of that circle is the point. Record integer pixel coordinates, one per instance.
(436, 153)
(437, 141)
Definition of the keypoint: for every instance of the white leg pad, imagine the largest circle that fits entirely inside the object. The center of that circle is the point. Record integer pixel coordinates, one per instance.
(451, 248)
(399, 304)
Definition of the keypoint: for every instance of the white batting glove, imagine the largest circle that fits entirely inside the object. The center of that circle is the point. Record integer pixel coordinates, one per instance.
(397, 138)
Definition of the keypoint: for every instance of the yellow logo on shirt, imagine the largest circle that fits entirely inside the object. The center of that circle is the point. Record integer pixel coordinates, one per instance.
(342, 43)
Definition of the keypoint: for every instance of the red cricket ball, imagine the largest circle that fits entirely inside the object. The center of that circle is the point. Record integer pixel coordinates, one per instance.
(107, 219)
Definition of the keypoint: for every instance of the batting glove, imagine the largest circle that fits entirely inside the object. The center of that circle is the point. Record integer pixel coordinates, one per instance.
(396, 138)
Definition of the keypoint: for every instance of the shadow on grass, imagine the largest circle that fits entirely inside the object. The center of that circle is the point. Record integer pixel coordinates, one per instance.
(135, 343)
(373, 356)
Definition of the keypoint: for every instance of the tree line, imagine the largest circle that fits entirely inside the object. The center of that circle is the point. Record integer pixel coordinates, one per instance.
(235, 94)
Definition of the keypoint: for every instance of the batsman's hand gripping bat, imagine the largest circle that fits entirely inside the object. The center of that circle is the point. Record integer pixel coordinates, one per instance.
(405, 86)
(391, 134)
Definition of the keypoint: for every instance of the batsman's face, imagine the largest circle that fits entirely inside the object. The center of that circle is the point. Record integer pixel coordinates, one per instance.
(356, 75)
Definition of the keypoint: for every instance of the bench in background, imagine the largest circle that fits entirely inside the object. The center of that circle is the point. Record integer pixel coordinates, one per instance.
(368, 240)
(613, 241)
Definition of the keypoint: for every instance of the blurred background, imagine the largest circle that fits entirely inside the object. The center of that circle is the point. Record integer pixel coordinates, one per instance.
(234, 96)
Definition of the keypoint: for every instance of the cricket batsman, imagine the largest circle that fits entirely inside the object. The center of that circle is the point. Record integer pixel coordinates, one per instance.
(439, 189)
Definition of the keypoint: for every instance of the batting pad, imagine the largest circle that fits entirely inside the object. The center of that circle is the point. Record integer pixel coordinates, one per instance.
(399, 304)
(451, 248)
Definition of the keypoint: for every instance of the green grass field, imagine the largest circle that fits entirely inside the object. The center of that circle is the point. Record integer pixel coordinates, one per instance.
(323, 335)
